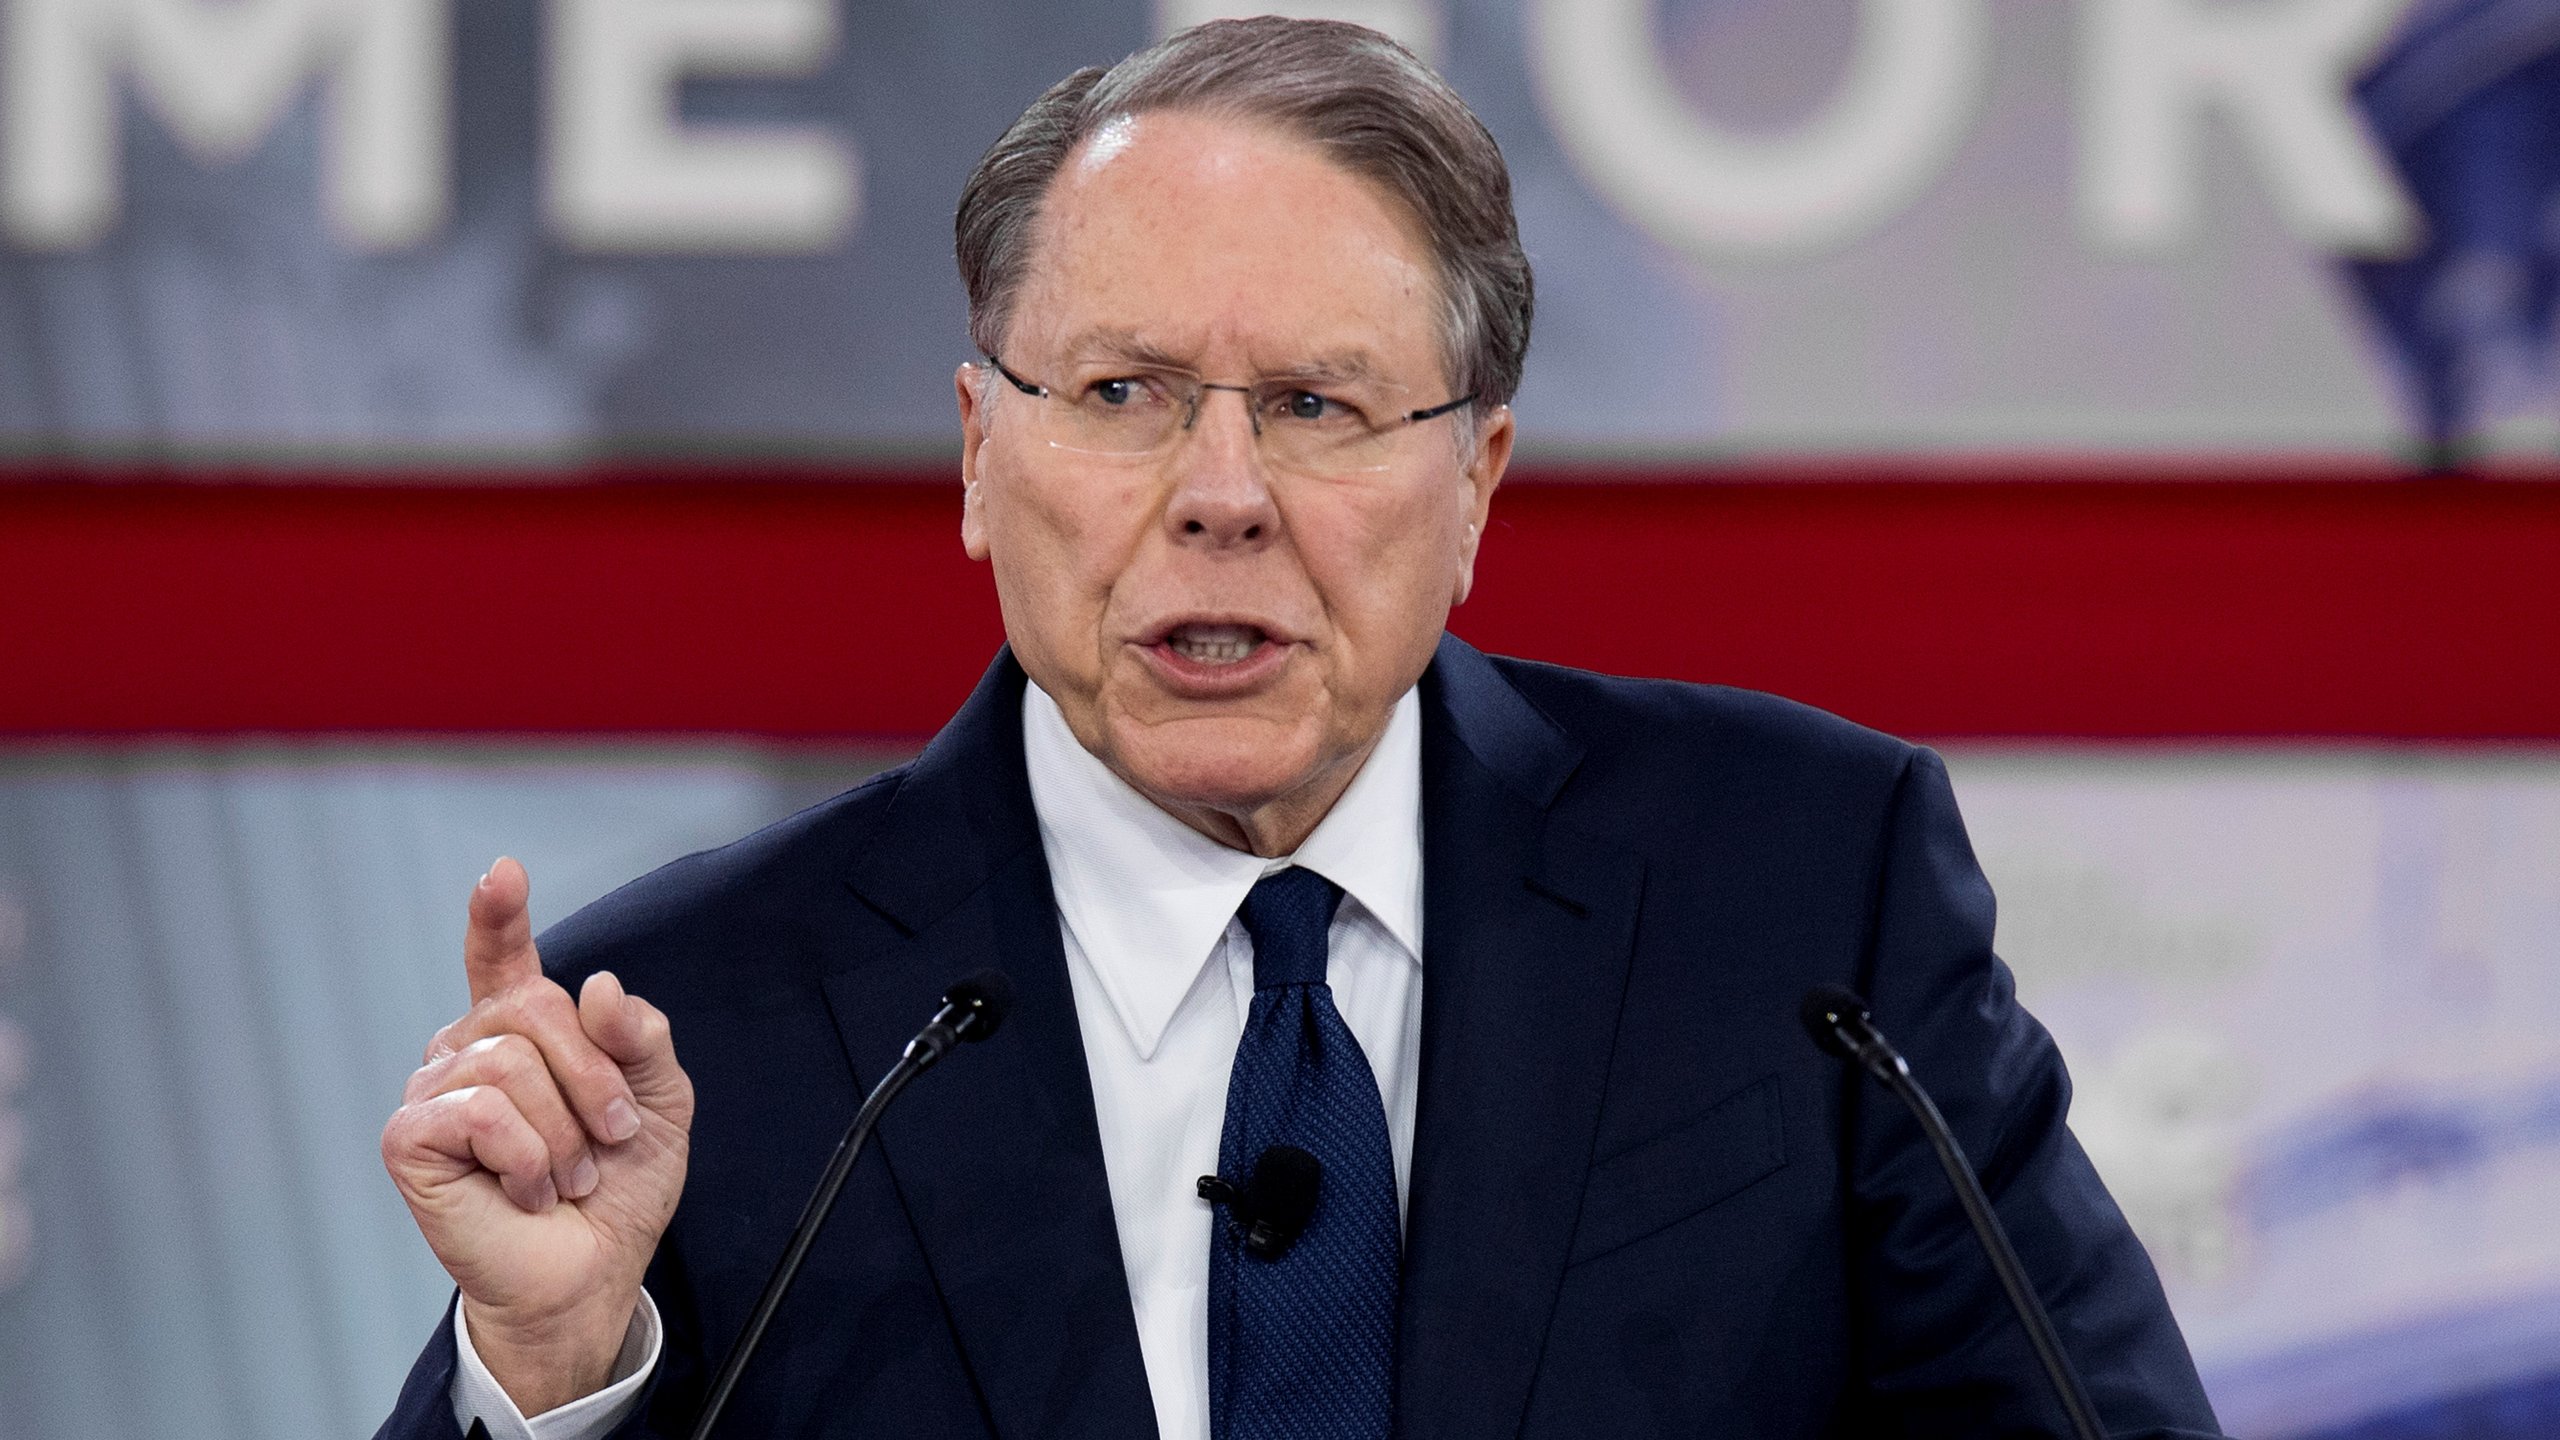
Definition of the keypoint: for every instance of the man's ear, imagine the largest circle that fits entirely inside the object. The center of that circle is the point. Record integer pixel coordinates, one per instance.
(1482, 476)
(969, 383)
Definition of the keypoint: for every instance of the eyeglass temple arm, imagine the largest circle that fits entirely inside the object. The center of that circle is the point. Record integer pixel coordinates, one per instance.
(1018, 383)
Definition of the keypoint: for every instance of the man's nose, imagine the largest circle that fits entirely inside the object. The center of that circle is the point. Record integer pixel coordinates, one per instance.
(1221, 490)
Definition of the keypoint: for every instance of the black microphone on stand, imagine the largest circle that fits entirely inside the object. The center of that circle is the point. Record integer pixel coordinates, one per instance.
(1840, 1024)
(971, 1010)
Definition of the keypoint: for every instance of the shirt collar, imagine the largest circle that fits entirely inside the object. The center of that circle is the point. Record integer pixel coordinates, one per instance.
(1147, 897)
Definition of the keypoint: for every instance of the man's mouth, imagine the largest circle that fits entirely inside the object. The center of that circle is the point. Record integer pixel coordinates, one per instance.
(1214, 644)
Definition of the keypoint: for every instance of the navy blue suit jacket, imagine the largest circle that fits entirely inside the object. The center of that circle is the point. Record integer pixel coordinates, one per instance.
(1643, 1203)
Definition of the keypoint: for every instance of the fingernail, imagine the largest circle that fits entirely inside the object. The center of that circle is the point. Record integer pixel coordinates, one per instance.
(582, 1179)
(621, 1122)
(547, 1196)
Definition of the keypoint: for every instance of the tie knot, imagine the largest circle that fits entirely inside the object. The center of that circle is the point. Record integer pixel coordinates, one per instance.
(1287, 914)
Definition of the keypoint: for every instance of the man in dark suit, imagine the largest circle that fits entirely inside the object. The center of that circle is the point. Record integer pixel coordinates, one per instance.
(1512, 952)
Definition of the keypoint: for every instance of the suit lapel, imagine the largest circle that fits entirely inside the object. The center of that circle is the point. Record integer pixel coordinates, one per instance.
(995, 1154)
(1527, 933)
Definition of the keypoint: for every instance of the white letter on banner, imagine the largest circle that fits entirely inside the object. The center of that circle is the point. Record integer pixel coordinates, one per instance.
(2279, 70)
(220, 73)
(1911, 94)
(627, 175)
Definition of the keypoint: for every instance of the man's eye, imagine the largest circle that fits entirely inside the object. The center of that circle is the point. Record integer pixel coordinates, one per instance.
(1115, 392)
(1307, 405)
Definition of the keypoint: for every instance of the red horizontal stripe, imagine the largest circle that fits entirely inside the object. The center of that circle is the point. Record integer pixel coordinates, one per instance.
(805, 608)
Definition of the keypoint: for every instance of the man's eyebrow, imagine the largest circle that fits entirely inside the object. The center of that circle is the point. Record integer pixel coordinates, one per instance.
(1341, 365)
(1117, 344)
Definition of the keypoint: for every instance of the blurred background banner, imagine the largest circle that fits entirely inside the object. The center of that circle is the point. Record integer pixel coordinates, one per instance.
(438, 428)
(502, 229)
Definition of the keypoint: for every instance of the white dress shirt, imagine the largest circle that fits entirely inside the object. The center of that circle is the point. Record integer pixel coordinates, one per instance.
(1163, 976)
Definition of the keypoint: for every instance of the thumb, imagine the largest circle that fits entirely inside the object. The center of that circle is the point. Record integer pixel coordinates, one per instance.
(636, 1034)
(497, 950)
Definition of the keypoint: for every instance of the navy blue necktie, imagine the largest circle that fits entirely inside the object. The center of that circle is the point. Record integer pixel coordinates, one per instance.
(1302, 1347)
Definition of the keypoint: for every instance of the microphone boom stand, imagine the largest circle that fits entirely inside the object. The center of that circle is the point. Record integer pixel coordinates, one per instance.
(970, 1011)
(1841, 1025)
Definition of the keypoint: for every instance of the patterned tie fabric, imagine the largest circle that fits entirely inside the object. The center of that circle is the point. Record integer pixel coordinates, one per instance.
(1303, 1347)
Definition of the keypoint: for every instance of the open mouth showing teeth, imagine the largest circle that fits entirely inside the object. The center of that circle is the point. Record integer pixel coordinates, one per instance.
(1214, 644)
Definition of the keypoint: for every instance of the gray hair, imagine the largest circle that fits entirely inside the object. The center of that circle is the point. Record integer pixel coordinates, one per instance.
(1361, 98)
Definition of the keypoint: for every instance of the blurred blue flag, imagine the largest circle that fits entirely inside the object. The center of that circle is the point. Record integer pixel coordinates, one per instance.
(2466, 101)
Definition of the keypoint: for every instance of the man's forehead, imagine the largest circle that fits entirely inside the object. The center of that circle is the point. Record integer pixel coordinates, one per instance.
(1106, 142)
(1187, 239)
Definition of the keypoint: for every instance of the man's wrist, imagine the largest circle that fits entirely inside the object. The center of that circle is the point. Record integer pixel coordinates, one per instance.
(559, 1359)
(478, 1398)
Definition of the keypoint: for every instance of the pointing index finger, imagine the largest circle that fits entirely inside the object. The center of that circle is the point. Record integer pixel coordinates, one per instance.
(497, 950)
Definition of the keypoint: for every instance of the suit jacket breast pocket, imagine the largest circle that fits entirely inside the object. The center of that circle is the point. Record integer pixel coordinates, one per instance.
(1658, 1182)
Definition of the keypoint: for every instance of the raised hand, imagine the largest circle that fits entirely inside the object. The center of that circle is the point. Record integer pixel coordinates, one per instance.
(541, 1148)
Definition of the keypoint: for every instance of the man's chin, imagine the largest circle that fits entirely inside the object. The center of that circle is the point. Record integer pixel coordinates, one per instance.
(1228, 763)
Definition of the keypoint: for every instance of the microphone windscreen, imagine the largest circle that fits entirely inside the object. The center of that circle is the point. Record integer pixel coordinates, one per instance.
(1283, 1188)
(1825, 1009)
(989, 992)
